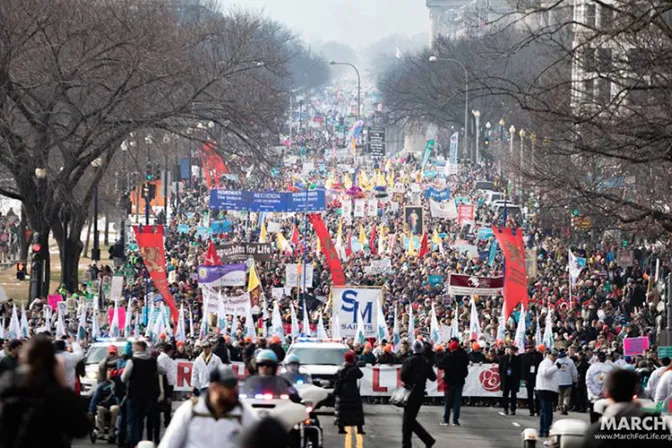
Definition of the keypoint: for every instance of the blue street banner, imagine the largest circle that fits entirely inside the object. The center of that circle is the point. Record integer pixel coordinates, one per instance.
(429, 149)
(484, 233)
(224, 275)
(270, 201)
(184, 169)
(437, 195)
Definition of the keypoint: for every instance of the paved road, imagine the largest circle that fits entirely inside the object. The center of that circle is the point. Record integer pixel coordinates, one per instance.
(480, 427)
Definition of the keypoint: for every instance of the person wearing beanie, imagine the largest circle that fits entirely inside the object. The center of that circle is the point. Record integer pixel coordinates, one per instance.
(415, 372)
(530, 365)
(348, 408)
(455, 367)
(386, 357)
(547, 390)
(567, 378)
(367, 356)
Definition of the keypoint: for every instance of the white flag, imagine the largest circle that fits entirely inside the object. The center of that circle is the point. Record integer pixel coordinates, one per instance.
(204, 321)
(295, 323)
(455, 328)
(234, 323)
(14, 325)
(95, 328)
(306, 321)
(321, 332)
(2, 329)
(24, 323)
(474, 324)
(60, 326)
(150, 322)
(191, 324)
(249, 323)
(576, 265)
(396, 336)
(411, 325)
(127, 324)
(180, 333)
(276, 321)
(136, 327)
(501, 328)
(383, 332)
(520, 332)
(548, 331)
(81, 328)
(115, 331)
(336, 328)
(537, 335)
(359, 334)
(435, 334)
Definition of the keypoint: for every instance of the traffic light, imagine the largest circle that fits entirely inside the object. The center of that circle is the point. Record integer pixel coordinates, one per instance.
(152, 191)
(157, 171)
(148, 173)
(21, 271)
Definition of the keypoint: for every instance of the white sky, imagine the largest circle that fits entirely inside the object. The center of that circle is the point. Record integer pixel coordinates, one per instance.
(357, 23)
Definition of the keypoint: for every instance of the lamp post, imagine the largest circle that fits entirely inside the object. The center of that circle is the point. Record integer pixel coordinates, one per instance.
(38, 253)
(466, 97)
(512, 131)
(500, 152)
(95, 252)
(359, 85)
(520, 172)
(477, 115)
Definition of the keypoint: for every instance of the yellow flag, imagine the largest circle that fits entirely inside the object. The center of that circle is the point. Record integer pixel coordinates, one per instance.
(362, 235)
(339, 233)
(262, 234)
(253, 282)
(411, 245)
(435, 237)
(282, 242)
(319, 246)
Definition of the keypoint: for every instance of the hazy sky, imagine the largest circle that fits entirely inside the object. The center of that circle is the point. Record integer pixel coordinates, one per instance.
(357, 23)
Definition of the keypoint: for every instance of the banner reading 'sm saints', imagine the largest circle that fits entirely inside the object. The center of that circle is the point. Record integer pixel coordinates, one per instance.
(150, 245)
(515, 274)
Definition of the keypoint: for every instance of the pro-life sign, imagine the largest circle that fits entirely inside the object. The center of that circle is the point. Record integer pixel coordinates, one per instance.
(376, 143)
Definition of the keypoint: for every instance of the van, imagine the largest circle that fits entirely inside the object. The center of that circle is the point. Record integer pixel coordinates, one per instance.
(493, 196)
(485, 185)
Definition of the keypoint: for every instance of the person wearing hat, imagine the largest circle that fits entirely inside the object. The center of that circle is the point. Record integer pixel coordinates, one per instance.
(111, 359)
(547, 390)
(348, 407)
(455, 366)
(215, 419)
(415, 372)
(567, 378)
(530, 361)
(206, 363)
(595, 377)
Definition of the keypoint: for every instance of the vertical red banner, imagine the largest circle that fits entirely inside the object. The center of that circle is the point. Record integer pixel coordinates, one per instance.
(328, 249)
(150, 245)
(515, 274)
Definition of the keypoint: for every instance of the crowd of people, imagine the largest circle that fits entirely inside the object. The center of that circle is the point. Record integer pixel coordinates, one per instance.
(587, 317)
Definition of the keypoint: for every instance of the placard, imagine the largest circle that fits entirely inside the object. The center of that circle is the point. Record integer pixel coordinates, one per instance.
(294, 278)
(635, 346)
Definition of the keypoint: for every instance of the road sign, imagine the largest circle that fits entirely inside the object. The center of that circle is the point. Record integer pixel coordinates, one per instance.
(376, 143)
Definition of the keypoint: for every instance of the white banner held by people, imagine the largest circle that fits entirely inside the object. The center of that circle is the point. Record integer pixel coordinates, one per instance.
(372, 207)
(352, 304)
(294, 277)
(443, 209)
(360, 208)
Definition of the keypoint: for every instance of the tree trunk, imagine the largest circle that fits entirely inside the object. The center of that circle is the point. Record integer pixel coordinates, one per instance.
(70, 250)
(88, 237)
(106, 240)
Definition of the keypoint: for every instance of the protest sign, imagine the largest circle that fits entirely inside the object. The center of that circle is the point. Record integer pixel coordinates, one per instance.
(237, 252)
(635, 346)
(294, 276)
(225, 275)
(465, 285)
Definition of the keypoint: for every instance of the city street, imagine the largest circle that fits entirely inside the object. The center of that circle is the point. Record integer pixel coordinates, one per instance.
(481, 427)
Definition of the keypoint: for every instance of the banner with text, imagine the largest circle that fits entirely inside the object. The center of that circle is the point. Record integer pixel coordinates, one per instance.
(467, 285)
(236, 252)
(352, 304)
(268, 201)
(224, 275)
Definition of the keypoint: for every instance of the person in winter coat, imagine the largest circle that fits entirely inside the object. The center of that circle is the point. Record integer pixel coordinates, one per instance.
(221, 350)
(530, 365)
(38, 409)
(349, 409)
(415, 372)
(595, 378)
(664, 387)
(367, 356)
(386, 357)
(476, 356)
(455, 366)
(567, 378)
(276, 346)
(69, 359)
(510, 367)
(204, 365)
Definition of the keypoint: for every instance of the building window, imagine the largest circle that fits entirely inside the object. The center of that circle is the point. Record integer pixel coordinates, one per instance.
(588, 92)
(604, 58)
(606, 16)
(604, 91)
(589, 64)
(590, 15)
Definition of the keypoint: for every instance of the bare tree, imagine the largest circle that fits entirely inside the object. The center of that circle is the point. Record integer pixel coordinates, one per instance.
(78, 76)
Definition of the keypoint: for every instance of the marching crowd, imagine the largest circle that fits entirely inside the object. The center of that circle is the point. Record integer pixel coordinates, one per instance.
(589, 316)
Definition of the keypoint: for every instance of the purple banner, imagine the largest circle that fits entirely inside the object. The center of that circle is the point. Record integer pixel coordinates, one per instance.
(225, 275)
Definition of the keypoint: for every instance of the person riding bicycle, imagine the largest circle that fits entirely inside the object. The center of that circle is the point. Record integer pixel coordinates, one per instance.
(105, 404)
(266, 379)
(293, 372)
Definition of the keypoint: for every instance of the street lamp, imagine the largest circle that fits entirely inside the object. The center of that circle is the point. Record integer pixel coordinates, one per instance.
(477, 115)
(359, 83)
(466, 97)
(522, 134)
(37, 274)
(95, 252)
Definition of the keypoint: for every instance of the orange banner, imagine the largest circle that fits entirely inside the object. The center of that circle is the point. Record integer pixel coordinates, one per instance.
(515, 274)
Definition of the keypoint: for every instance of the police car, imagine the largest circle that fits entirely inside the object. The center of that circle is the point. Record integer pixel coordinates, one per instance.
(321, 359)
(96, 353)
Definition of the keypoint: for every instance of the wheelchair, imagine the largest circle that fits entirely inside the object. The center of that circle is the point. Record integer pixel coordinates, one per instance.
(110, 427)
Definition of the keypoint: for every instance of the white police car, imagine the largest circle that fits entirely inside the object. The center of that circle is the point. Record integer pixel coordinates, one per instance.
(321, 359)
(95, 354)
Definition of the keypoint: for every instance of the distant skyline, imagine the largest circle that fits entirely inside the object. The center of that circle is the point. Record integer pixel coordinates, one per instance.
(357, 23)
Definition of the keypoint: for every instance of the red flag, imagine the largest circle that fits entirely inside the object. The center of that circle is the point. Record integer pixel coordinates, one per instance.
(424, 247)
(372, 241)
(295, 237)
(153, 253)
(515, 274)
(348, 246)
(211, 257)
(328, 249)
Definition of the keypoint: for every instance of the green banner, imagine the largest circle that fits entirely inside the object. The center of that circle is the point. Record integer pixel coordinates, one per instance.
(429, 148)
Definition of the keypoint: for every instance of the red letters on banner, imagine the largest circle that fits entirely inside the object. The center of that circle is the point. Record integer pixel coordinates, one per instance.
(150, 245)
(515, 274)
(328, 249)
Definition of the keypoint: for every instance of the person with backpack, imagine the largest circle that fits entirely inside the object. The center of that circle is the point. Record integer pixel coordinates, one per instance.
(214, 419)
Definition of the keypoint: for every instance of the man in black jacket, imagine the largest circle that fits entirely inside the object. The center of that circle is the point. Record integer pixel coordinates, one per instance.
(415, 372)
(530, 364)
(222, 350)
(510, 374)
(455, 366)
